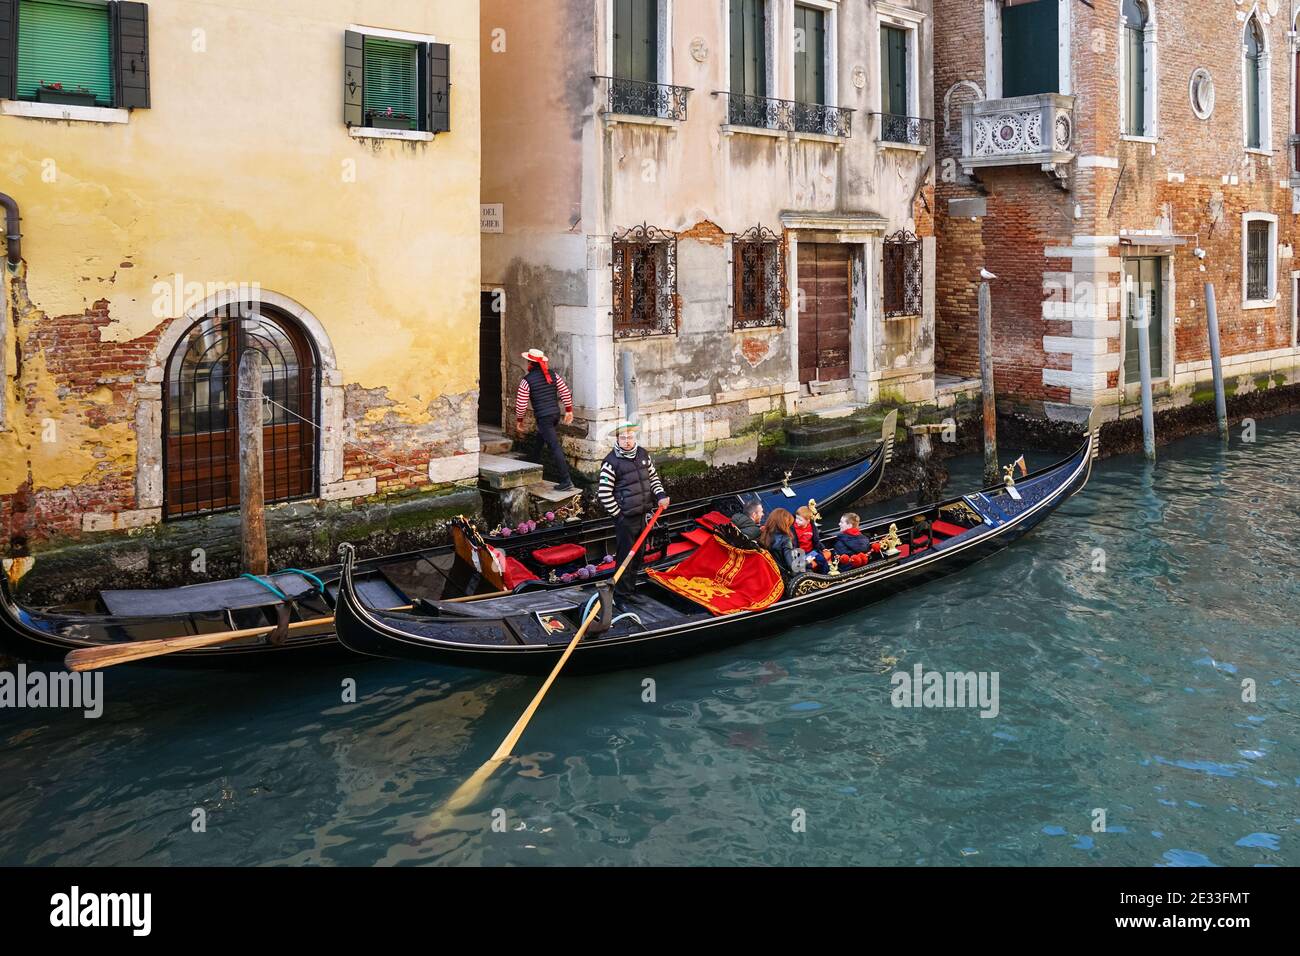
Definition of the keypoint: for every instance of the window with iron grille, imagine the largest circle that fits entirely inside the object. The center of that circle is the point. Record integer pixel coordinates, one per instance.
(902, 275)
(1258, 267)
(645, 282)
(759, 295)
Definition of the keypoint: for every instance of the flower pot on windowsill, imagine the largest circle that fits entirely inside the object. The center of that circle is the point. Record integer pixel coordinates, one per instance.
(46, 94)
(389, 121)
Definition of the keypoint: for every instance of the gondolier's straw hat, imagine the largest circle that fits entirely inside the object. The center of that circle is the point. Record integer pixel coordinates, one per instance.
(538, 356)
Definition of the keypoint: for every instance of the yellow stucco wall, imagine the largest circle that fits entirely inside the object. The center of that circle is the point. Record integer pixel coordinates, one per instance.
(243, 171)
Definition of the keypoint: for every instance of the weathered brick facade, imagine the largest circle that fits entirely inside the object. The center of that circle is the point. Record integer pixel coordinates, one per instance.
(1057, 226)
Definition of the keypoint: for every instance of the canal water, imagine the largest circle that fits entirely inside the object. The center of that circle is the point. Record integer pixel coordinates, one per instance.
(1145, 645)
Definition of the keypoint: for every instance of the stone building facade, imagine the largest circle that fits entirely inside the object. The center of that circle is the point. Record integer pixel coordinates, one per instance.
(178, 208)
(738, 193)
(1095, 156)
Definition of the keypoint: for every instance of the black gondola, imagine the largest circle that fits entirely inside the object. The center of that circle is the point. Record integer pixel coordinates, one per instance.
(526, 633)
(117, 617)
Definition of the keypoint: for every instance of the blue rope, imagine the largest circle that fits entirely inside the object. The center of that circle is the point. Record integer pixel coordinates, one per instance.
(320, 585)
(268, 585)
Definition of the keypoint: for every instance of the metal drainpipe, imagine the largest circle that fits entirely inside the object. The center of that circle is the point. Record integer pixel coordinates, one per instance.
(13, 238)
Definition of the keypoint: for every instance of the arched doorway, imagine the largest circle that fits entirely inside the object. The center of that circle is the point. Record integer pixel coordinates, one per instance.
(201, 411)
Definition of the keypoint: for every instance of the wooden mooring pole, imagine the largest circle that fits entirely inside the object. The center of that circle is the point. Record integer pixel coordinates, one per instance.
(991, 472)
(1144, 370)
(1216, 360)
(631, 401)
(252, 497)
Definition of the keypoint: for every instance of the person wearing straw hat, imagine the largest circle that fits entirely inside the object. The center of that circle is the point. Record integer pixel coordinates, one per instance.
(629, 489)
(546, 391)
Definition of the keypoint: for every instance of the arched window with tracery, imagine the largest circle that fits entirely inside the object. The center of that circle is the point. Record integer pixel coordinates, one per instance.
(201, 411)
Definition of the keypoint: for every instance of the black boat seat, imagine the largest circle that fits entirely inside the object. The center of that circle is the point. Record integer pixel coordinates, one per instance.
(212, 596)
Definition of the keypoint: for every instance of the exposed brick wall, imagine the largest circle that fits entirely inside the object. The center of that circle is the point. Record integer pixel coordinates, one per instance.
(1174, 187)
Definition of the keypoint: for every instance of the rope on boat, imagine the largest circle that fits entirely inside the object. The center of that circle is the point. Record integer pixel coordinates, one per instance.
(320, 585)
(268, 585)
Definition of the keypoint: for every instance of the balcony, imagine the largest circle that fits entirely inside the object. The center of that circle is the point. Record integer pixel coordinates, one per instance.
(915, 132)
(639, 98)
(1035, 130)
(788, 116)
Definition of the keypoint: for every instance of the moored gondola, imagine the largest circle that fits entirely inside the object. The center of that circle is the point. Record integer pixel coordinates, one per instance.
(295, 609)
(674, 618)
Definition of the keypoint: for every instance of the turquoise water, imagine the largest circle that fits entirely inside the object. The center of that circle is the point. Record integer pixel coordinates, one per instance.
(1121, 632)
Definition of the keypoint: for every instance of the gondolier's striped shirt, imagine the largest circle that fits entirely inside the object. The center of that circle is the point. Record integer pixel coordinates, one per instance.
(605, 487)
(523, 393)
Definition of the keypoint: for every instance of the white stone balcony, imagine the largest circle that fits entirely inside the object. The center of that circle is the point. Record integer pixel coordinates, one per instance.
(1021, 131)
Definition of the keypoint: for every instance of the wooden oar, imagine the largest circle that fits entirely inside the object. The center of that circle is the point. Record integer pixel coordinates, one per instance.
(468, 790)
(96, 658)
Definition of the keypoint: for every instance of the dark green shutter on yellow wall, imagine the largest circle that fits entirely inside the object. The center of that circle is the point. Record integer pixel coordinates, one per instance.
(67, 43)
(8, 48)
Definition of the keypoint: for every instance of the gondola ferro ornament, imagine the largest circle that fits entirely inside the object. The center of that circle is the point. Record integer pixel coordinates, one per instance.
(785, 485)
(891, 541)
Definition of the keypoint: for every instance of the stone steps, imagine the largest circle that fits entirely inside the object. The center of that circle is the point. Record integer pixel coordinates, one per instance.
(493, 441)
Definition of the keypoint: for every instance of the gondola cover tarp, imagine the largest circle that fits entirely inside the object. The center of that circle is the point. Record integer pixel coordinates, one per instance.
(725, 579)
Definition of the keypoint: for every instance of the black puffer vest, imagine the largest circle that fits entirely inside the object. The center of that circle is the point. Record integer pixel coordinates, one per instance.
(632, 489)
(543, 394)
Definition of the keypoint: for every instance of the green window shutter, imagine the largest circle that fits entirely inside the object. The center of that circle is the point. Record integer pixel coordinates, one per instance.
(1135, 66)
(60, 41)
(439, 87)
(748, 47)
(636, 40)
(1253, 138)
(810, 60)
(130, 32)
(354, 78)
(893, 61)
(391, 79)
(1029, 48)
(8, 48)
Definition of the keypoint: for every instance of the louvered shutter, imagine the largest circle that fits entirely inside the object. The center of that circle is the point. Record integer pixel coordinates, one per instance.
(354, 78)
(130, 23)
(8, 49)
(392, 79)
(439, 87)
(67, 44)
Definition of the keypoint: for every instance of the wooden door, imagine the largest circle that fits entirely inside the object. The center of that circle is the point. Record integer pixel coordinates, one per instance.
(489, 358)
(825, 291)
(201, 450)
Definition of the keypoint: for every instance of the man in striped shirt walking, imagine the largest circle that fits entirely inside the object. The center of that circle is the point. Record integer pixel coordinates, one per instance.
(545, 391)
(629, 488)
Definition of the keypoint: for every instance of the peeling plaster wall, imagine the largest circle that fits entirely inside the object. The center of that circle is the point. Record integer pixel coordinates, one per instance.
(570, 179)
(224, 180)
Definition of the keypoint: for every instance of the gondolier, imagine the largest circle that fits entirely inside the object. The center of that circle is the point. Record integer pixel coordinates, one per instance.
(629, 489)
(546, 391)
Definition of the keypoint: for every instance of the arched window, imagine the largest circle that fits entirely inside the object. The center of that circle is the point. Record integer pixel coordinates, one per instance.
(1136, 74)
(1256, 85)
(201, 411)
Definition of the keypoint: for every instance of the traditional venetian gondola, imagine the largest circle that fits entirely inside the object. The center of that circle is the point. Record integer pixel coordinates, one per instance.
(727, 592)
(290, 614)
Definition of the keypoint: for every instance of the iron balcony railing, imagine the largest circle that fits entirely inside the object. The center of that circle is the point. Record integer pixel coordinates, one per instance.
(765, 112)
(908, 130)
(640, 98)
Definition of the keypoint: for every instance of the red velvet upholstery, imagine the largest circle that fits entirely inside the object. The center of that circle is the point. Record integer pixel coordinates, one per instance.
(713, 519)
(677, 547)
(946, 529)
(516, 573)
(698, 535)
(561, 554)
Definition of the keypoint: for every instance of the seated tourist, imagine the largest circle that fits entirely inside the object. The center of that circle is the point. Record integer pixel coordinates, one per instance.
(809, 540)
(851, 540)
(750, 519)
(778, 537)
